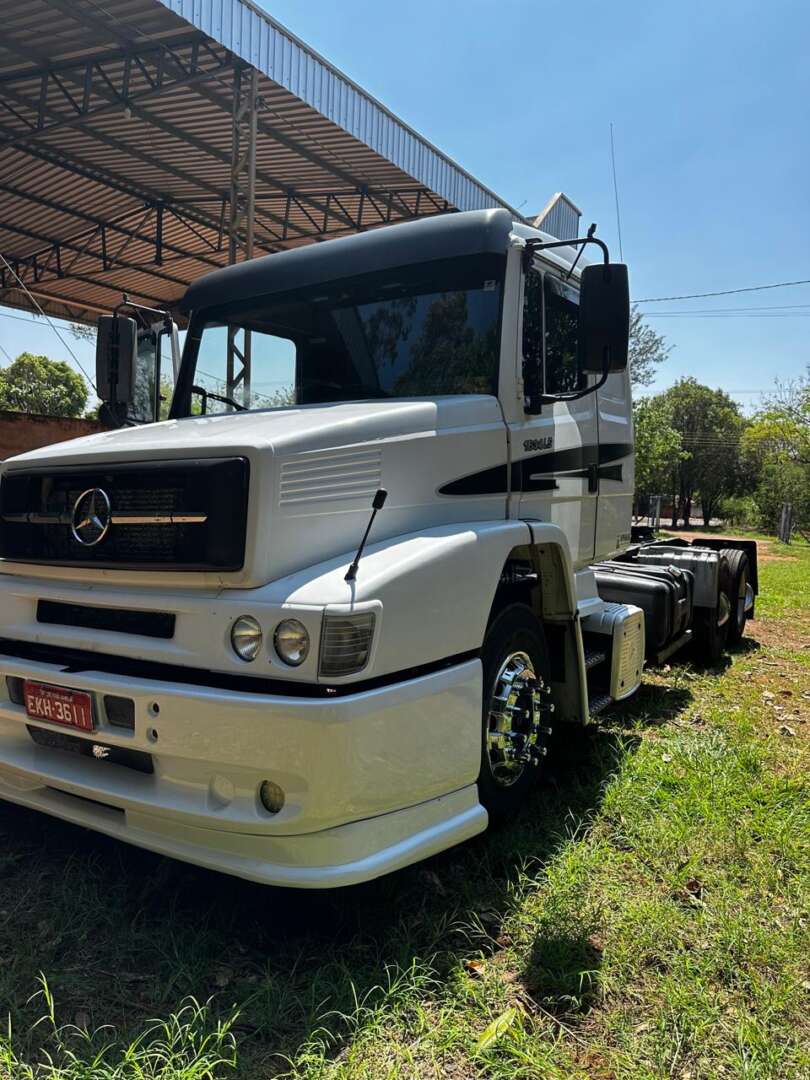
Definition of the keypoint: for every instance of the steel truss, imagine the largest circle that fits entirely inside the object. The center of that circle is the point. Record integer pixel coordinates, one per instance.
(256, 214)
(242, 212)
(69, 94)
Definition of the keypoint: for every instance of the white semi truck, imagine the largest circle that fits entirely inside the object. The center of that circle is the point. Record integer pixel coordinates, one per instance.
(204, 649)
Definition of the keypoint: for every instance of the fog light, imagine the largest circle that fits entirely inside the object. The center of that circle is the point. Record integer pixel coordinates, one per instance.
(271, 796)
(246, 638)
(291, 642)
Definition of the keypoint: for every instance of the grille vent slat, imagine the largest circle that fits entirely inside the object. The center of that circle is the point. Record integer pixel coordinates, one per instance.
(330, 475)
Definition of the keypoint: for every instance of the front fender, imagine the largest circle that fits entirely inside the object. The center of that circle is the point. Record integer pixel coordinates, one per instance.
(435, 589)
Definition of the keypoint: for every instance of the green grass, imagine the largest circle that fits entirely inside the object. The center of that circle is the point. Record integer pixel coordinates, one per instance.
(647, 916)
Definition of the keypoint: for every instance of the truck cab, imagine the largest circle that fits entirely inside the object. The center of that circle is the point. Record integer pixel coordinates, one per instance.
(195, 657)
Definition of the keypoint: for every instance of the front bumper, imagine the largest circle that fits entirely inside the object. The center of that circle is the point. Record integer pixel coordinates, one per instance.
(372, 781)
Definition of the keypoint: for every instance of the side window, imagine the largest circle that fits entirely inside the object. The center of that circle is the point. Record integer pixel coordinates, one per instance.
(533, 334)
(562, 337)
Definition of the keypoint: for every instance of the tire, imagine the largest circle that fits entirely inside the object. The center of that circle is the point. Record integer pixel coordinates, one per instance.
(711, 627)
(515, 662)
(738, 576)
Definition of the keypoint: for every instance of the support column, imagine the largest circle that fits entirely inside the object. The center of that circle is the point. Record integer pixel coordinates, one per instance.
(242, 212)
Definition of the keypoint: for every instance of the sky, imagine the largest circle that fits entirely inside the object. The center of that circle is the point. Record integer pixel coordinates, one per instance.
(710, 104)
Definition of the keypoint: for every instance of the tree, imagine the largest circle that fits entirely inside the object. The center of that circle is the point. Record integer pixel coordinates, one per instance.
(711, 426)
(658, 445)
(35, 384)
(647, 350)
(776, 449)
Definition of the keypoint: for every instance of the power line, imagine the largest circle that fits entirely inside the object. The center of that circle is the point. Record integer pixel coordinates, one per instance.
(773, 307)
(722, 292)
(20, 318)
(47, 318)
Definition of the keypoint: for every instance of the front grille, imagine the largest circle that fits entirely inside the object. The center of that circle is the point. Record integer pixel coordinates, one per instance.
(155, 624)
(188, 515)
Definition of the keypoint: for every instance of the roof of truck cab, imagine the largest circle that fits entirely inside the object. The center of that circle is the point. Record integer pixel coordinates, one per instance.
(447, 236)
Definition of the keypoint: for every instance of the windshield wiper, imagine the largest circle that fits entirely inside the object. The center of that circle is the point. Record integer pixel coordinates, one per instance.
(206, 394)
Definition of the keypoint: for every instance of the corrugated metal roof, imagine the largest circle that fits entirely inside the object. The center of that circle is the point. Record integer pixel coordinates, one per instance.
(252, 34)
(115, 149)
(559, 217)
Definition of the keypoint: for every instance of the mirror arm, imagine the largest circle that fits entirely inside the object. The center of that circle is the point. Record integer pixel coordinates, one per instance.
(581, 241)
(126, 302)
(549, 399)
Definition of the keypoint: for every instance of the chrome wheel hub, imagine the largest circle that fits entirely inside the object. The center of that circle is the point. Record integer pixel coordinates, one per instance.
(517, 709)
(723, 609)
(742, 598)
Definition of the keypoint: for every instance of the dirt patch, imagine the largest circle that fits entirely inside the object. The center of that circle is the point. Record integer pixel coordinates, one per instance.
(765, 552)
(794, 636)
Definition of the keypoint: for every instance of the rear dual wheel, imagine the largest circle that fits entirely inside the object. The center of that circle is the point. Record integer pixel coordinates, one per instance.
(738, 570)
(711, 626)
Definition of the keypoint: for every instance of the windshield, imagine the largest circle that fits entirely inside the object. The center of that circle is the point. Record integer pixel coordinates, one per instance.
(420, 331)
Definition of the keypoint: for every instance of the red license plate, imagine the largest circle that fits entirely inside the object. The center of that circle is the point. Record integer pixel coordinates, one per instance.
(73, 708)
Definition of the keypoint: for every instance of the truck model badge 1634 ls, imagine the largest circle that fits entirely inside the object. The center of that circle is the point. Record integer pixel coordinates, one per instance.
(322, 621)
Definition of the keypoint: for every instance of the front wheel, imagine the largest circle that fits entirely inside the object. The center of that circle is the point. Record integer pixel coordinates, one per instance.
(516, 710)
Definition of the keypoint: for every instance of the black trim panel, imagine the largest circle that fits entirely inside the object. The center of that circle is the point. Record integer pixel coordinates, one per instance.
(74, 661)
(540, 472)
(155, 624)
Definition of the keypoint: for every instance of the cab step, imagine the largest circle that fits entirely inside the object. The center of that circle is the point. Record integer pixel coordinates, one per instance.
(598, 703)
(594, 657)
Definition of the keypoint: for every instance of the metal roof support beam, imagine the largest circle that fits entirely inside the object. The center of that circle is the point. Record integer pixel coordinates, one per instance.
(113, 92)
(59, 307)
(40, 64)
(20, 263)
(118, 99)
(103, 26)
(108, 262)
(242, 210)
(110, 226)
(106, 176)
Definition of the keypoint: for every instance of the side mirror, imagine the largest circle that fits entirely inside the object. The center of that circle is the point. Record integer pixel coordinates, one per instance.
(116, 359)
(604, 317)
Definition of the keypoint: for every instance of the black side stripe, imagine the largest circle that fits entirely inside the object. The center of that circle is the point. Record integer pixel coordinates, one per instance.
(540, 472)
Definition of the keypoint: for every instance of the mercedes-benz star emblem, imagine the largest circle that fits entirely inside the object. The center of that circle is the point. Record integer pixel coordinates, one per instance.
(92, 517)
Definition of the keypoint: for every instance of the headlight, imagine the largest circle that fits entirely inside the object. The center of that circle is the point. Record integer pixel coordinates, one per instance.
(291, 642)
(246, 637)
(346, 643)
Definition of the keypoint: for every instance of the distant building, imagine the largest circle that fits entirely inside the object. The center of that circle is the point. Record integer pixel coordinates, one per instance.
(560, 217)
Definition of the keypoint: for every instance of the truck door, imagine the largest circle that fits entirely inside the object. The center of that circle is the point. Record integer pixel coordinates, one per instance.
(555, 454)
(616, 479)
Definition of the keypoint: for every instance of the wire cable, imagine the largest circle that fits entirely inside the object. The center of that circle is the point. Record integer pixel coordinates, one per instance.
(722, 292)
(48, 319)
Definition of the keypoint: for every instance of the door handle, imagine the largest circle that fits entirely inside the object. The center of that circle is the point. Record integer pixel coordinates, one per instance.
(593, 478)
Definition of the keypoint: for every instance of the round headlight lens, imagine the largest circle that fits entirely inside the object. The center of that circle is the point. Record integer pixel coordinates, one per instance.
(246, 638)
(291, 641)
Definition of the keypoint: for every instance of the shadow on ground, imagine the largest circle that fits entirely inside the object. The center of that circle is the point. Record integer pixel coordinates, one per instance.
(123, 935)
